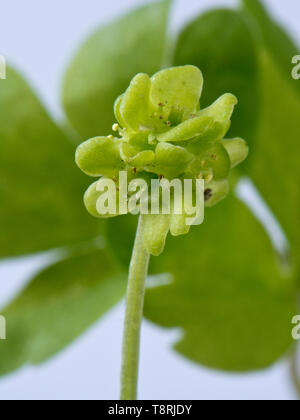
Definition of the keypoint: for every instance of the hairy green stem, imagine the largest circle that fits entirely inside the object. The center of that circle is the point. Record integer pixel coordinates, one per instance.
(133, 318)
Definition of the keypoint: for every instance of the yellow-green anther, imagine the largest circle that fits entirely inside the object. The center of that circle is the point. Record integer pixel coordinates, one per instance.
(155, 231)
(100, 156)
(237, 150)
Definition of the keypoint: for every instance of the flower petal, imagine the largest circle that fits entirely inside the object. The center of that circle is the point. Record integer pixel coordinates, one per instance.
(194, 127)
(117, 110)
(143, 159)
(136, 157)
(177, 92)
(91, 198)
(134, 107)
(170, 160)
(209, 125)
(217, 159)
(155, 231)
(215, 191)
(222, 109)
(214, 133)
(178, 225)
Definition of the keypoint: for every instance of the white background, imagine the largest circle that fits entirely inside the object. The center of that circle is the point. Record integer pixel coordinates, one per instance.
(39, 37)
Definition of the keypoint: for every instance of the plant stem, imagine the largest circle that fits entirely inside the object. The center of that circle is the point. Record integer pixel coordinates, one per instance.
(133, 318)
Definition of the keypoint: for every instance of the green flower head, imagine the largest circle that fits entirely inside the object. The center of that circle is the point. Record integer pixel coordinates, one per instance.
(162, 132)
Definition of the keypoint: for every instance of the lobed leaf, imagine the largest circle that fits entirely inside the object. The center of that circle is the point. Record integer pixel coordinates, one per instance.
(135, 105)
(274, 162)
(58, 305)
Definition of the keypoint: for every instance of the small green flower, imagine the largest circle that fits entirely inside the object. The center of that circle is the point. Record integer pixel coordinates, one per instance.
(163, 133)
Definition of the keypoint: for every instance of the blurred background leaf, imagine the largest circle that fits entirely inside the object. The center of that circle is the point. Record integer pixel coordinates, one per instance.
(274, 162)
(105, 64)
(58, 305)
(270, 34)
(40, 187)
(220, 43)
(229, 297)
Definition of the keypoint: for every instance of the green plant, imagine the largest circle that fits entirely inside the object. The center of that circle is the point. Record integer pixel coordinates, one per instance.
(240, 279)
(163, 134)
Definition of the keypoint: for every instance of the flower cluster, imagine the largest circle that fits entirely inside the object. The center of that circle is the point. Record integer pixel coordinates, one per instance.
(163, 133)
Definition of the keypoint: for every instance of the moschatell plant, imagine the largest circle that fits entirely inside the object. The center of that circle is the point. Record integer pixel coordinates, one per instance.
(232, 295)
(163, 133)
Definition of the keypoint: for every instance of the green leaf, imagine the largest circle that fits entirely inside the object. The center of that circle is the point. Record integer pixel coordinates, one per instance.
(237, 150)
(40, 187)
(135, 105)
(275, 160)
(58, 306)
(120, 233)
(220, 43)
(232, 304)
(105, 64)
